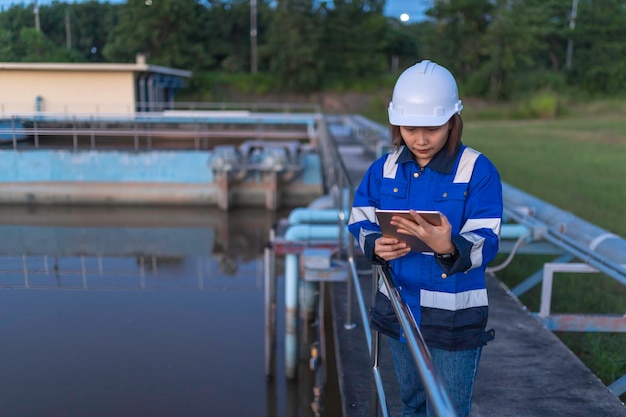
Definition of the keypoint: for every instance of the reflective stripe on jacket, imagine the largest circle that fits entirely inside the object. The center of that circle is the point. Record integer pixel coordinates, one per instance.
(448, 299)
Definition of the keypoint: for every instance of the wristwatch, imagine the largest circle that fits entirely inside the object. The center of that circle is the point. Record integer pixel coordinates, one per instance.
(446, 256)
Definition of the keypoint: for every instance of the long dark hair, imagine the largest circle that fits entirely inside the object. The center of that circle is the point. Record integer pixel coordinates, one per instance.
(454, 138)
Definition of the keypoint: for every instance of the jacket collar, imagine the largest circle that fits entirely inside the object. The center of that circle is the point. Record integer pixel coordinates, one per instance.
(442, 162)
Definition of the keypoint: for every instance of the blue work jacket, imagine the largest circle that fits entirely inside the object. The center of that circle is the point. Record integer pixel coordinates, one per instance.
(447, 298)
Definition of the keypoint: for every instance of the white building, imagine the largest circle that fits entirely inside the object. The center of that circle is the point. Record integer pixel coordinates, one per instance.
(88, 87)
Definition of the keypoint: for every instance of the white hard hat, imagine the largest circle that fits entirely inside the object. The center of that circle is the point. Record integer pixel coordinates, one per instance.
(425, 95)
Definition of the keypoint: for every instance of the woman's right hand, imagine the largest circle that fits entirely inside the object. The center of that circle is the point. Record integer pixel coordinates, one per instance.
(390, 248)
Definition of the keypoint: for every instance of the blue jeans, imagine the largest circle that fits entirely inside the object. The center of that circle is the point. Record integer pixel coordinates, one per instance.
(456, 368)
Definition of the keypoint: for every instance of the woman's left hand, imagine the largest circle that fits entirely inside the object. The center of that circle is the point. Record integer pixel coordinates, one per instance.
(439, 238)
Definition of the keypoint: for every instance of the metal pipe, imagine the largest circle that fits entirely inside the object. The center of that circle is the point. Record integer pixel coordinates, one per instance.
(574, 247)
(291, 315)
(307, 215)
(618, 387)
(592, 237)
(514, 231)
(300, 232)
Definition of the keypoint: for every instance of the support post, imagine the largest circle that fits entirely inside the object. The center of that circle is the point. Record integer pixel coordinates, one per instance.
(223, 191)
(270, 312)
(271, 193)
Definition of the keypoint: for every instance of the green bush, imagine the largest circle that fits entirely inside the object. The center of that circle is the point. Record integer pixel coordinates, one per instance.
(542, 105)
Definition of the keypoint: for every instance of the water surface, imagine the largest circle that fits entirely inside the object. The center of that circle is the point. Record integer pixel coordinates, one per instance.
(135, 312)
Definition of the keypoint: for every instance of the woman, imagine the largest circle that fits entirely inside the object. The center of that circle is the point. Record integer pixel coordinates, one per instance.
(430, 169)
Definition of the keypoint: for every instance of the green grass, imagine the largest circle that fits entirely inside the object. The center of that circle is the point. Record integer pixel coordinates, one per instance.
(578, 163)
(574, 163)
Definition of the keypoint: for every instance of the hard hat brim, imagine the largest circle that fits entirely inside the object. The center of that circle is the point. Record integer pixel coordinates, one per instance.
(396, 119)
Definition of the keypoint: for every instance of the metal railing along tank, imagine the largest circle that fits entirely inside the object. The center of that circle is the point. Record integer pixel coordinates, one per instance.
(153, 106)
(91, 130)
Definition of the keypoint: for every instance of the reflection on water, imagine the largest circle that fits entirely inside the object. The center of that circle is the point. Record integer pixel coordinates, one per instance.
(134, 312)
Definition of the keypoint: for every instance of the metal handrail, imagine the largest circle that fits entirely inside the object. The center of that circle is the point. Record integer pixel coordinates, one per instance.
(7, 108)
(433, 386)
(337, 176)
(144, 127)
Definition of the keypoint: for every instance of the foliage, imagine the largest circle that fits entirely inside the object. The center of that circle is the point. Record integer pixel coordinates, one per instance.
(293, 40)
(456, 37)
(165, 32)
(599, 46)
(498, 49)
(353, 41)
(542, 105)
(399, 43)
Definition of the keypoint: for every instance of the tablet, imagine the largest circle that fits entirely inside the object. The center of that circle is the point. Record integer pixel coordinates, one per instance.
(416, 244)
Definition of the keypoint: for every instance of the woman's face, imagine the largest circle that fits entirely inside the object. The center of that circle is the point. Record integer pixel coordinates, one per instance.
(425, 142)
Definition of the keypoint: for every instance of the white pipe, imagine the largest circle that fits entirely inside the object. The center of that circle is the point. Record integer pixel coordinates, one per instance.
(291, 315)
(307, 215)
(594, 238)
(514, 231)
(300, 232)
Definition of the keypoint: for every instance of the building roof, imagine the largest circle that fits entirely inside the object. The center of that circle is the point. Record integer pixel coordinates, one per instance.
(64, 66)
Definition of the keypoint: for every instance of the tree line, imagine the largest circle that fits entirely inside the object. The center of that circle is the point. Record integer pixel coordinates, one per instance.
(496, 48)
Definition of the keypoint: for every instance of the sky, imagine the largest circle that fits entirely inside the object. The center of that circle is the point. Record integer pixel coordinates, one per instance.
(394, 8)
(414, 8)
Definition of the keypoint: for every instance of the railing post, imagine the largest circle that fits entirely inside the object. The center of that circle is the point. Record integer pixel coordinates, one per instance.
(74, 135)
(13, 132)
(546, 290)
(25, 269)
(92, 135)
(199, 270)
(135, 135)
(83, 271)
(149, 134)
(349, 323)
(270, 309)
(142, 274)
(378, 401)
(36, 131)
